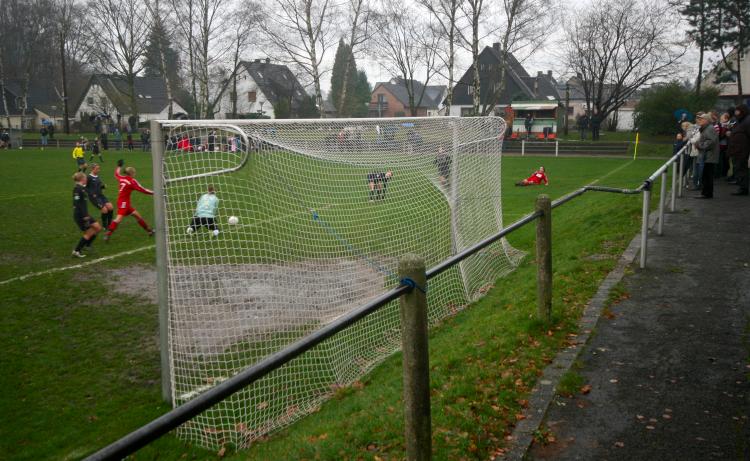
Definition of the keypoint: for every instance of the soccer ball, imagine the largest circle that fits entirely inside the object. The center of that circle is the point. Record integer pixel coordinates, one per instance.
(233, 220)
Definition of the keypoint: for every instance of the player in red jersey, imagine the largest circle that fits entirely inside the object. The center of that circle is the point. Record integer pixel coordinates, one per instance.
(535, 179)
(127, 185)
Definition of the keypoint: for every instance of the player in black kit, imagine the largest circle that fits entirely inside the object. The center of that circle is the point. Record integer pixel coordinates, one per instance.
(94, 189)
(378, 181)
(81, 216)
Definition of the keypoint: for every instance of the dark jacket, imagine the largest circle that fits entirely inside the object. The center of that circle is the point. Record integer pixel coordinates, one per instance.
(708, 144)
(739, 136)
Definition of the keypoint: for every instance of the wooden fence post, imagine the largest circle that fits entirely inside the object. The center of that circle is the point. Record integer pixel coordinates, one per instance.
(417, 419)
(544, 258)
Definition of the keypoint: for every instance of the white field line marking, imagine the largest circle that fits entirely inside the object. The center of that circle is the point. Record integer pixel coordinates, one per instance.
(75, 266)
(589, 184)
(621, 167)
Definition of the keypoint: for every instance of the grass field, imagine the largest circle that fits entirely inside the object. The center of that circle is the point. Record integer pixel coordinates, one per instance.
(81, 361)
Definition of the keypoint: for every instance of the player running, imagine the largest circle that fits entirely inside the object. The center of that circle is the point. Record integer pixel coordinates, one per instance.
(78, 156)
(205, 213)
(81, 216)
(378, 182)
(94, 188)
(535, 179)
(127, 185)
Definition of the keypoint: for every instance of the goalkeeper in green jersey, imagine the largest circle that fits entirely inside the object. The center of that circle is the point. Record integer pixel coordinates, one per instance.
(205, 213)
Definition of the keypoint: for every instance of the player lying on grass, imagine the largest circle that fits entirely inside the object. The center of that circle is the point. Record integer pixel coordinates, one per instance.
(95, 188)
(535, 179)
(205, 212)
(124, 208)
(81, 216)
(378, 182)
(78, 156)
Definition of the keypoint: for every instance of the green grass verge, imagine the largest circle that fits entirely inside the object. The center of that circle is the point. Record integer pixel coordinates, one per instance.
(81, 365)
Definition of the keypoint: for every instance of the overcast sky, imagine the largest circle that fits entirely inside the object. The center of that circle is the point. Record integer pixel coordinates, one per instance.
(546, 58)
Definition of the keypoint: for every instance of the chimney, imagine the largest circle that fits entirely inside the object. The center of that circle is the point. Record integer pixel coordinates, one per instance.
(257, 60)
(536, 83)
(549, 73)
(539, 73)
(496, 46)
(268, 61)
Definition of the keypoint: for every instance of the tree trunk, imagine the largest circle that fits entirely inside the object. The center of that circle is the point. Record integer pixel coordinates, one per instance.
(313, 58)
(451, 59)
(2, 88)
(64, 75)
(133, 99)
(234, 84)
(25, 96)
(162, 59)
(699, 80)
(342, 101)
(475, 58)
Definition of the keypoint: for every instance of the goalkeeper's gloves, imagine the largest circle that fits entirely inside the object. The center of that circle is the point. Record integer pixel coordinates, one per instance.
(120, 162)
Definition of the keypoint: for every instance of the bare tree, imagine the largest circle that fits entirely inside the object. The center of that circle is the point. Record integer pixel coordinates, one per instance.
(184, 12)
(360, 14)
(123, 27)
(160, 26)
(302, 31)
(73, 44)
(473, 10)
(245, 24)
(617, 46)
(407, 47)
(524, 29)
(3, 56)
(446, 25)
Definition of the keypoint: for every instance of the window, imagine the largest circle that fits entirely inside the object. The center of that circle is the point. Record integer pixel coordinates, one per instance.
(381, 98)
(90, 101)
(252, 96)
(470, 89)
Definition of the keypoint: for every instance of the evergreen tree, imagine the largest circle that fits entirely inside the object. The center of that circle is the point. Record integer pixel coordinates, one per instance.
(152, 60)
(699, 15)
(307, 108)
(362, 96)
(344, 58)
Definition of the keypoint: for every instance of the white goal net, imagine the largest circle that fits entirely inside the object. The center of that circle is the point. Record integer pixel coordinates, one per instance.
(324, 209)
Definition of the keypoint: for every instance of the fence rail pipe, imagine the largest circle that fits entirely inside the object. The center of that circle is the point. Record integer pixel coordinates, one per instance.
(544, 259)
(416, 360)
(662, 202)
(644, 225)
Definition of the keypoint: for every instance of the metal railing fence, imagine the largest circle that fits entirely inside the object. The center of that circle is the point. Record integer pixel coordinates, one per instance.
(417, 446)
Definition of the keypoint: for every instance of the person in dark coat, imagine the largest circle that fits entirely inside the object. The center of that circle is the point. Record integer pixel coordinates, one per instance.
(583, 124)
(596, 123)
(708, 146)
(739, 148)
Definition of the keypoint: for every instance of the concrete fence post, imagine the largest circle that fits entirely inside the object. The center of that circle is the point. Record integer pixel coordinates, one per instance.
(544, 258)
(523, 147)
(557, 147)
(662, 202)
(416, 361)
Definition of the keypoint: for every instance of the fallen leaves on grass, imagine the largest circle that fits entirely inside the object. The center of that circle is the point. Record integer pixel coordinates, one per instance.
(586, 389)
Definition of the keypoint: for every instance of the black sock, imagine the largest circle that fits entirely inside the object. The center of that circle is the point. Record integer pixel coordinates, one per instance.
(90, 241)
(81, 244)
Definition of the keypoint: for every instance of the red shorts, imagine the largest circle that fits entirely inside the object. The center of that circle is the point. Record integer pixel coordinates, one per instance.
(124, 209)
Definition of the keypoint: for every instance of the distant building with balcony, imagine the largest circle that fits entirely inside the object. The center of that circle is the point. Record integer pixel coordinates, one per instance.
(391, 99)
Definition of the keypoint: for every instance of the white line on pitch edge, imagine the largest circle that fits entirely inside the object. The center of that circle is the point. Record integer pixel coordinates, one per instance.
(75, 266)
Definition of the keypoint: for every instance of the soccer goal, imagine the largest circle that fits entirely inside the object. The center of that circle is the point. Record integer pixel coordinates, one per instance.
(312, 218)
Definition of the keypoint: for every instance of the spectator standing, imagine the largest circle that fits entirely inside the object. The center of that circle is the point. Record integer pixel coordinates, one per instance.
(5, 139)
(708, 146)
(529, 124)
(43, 134)
(739, 148)
(129, 138)
(723, 168)
(596, 123)
(583, 124)
(118, 139)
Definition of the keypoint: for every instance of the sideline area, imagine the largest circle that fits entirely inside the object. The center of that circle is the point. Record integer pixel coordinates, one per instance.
(665, 373)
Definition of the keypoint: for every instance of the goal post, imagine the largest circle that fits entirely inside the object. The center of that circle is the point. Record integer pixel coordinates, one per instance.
(269, 229)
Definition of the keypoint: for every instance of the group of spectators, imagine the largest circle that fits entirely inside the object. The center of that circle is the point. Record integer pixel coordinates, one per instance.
(718, 147)
(584, 123)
